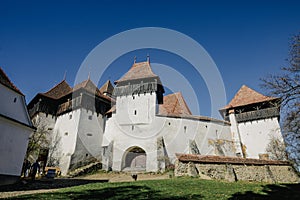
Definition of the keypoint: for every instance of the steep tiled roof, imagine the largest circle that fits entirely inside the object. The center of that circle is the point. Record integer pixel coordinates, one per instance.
(4, 80)
(247, 96)
(107, 88)
(227, 159)
(174, 104)
(59, 90)
(89, 86)
(138, 71)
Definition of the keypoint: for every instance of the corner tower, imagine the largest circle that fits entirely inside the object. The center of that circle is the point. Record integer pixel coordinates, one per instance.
(254, 120)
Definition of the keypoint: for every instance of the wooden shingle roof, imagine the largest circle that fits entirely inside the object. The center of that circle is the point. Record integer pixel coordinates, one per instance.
(107, 87)
(139, 70)
(59, 90)
(89, 86)
(246, 96)
(4, 80)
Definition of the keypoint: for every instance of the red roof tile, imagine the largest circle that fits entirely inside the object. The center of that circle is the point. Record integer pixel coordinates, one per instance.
(59, 90)
(247, 96)
(174, 104)
(138, 71)
(4, 80)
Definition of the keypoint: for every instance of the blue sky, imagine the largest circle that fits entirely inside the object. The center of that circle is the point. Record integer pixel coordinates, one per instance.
(40, 40)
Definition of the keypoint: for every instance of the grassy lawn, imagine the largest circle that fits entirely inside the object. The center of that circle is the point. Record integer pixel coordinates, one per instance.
(177, 188)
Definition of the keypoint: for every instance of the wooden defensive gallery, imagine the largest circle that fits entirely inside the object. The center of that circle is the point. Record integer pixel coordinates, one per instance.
(134, 126)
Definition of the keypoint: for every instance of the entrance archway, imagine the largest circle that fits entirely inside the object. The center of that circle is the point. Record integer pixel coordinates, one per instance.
(134, 159)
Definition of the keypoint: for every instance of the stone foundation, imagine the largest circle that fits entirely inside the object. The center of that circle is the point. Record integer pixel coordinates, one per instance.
(270, 172)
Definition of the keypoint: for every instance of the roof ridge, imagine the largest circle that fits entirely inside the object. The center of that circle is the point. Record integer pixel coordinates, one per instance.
(246, 96)
(8, 83)
(139, 70)
(57, 85)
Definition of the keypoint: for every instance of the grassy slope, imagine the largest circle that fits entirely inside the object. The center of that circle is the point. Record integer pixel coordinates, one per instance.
(177, 188)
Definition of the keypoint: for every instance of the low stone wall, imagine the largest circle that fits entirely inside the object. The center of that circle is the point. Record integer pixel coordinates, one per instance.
(237, 170)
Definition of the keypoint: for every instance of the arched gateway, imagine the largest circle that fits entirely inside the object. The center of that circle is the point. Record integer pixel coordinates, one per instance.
(134, 159)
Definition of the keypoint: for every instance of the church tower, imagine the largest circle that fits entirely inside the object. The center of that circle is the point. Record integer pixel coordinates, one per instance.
(137, 94)
(254, 121)
(130, 141)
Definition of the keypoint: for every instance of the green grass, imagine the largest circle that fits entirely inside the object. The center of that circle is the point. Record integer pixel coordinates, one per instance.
(177, 188)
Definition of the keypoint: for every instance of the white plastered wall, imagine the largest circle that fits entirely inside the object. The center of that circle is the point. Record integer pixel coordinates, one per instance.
(255, 135)
(65, 130)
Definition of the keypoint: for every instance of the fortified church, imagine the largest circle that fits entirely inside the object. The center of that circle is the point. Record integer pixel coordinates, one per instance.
(133, 126)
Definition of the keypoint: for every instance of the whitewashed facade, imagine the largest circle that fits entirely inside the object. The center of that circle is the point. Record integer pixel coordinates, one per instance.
(140, 129)
(16, 127)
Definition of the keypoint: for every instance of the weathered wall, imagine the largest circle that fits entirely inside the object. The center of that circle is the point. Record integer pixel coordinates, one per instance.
(65, 135)
(184, 135)
(230, 172)
(89, 139)
(255, 135)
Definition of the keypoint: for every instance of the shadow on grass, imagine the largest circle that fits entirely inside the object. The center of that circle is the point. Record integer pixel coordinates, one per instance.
(116, 193)
(24, 185)
(283, 191)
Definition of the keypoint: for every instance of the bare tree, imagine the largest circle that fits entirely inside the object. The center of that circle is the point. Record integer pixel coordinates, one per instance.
(53, 160)
(276, 148)
(38, 139)
(286, 85)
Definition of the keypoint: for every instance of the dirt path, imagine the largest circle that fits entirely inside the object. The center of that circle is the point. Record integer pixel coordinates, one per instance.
(44, 186)
(124, 177)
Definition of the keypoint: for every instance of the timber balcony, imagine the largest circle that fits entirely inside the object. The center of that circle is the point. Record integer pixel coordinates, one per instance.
(257, 114)
(85, 101)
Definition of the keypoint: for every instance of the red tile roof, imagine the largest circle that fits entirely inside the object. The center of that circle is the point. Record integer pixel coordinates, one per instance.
(174, 104)
(59, 90)
(247, 96)
(138, 71)
(107, 88)
(227, 159)
(4, 80)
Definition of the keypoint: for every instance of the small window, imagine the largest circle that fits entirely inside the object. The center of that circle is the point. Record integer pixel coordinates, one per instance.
(70, 116)
(133, 97)
(132, 128)
(66, 133)
(169, 123)
(15, 99)
(135, 112)
(89, 134)
(50, 129)
(184, 129)
(90, 117)
(87, 155)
